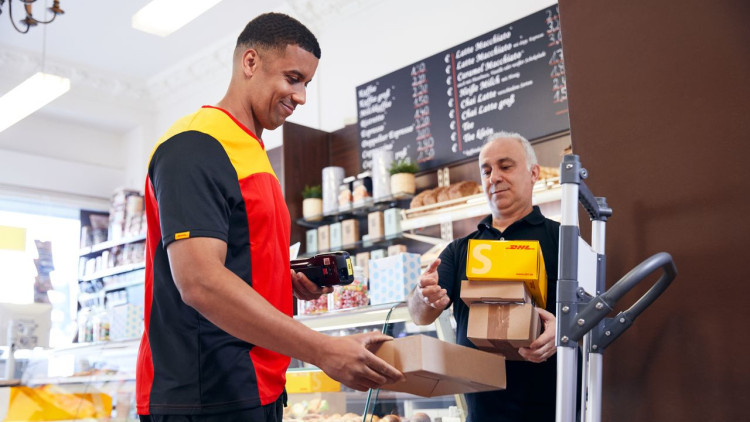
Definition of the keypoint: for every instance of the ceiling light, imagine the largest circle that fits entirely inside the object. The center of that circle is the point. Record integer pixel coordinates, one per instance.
(162, 17)
(29, 20)
(31, 95)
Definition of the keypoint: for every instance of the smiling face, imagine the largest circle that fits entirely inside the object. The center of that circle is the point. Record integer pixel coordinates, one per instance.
(506, 179)
(277, 84)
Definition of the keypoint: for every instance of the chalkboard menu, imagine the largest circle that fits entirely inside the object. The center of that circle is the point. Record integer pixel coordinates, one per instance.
(439, 110)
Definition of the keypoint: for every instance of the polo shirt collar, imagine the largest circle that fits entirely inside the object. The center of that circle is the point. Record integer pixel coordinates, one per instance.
(534, 218)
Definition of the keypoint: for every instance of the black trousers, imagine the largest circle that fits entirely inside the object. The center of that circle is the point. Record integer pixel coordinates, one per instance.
(272, 412)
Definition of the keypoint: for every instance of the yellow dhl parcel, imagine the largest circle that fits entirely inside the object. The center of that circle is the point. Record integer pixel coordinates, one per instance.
(509, 260)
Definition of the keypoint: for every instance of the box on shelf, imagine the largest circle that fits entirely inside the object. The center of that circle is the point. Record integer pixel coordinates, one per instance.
(349, 232)
(513, 260)
(324, 238)
(392, 221)
(393, 278)
(53, 403)
(378, 254)
(503, 328)
(494, 291)
(430, 367)
(125, 321)
(335, 236)
(310, 382)
(375, 224)
(396, 249)
(311, 237)
(362, 259)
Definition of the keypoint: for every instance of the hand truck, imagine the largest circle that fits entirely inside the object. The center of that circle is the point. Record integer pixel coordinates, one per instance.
(581, 306)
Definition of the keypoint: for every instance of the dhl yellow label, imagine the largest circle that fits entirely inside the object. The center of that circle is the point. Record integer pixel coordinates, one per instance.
(349, 265)
(181, 235)
(503, 260)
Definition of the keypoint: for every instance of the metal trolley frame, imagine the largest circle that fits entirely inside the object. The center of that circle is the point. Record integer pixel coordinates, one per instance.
(582, 307)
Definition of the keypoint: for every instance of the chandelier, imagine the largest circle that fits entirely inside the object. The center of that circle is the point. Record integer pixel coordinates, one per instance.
(30, 20)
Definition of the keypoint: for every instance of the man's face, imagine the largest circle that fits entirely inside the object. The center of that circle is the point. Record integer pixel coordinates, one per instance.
(505, 178)
(279, 84)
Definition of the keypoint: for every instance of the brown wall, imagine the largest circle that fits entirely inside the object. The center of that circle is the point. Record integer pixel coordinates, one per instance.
(659, 109)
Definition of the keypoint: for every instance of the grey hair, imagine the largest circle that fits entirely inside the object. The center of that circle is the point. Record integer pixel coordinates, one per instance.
(527, 148)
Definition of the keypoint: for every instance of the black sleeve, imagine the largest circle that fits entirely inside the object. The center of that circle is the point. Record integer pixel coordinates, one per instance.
(195, 186)
(447, 277)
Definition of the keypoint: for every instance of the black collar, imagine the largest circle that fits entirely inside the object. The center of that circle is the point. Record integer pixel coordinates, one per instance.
(534, 218)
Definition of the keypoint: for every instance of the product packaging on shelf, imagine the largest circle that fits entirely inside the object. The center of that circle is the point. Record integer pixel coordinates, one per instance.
(392, 278)
(375, 227)
(335, 236)
(317, 306)
(324, 238)
(431, 367)
(396, 249)
(362, 259)
(312, 241)
(125, 321)
(349, 232)
(310, 382)
(352, 295)
(392, 221)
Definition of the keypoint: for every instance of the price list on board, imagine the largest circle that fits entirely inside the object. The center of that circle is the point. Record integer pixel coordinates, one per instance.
(440, 109)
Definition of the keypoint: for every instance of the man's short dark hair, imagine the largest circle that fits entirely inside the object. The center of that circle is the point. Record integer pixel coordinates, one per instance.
(276, 31)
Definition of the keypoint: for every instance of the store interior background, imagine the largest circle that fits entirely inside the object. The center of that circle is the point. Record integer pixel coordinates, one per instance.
(658, 103)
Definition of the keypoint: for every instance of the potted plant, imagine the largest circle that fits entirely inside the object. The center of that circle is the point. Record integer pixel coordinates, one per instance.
(312, 203)
(402, 177)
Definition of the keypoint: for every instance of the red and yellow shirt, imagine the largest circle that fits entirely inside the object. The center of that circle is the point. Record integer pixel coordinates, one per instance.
(209, 176)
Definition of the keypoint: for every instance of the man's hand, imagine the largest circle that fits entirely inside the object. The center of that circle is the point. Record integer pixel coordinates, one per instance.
(543, 347)
(429, 290)
(305, 289)
(348, 360)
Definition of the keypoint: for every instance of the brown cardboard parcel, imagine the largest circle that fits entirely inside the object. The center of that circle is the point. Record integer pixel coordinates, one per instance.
(494, 291)
(435, 368)
(503, 328)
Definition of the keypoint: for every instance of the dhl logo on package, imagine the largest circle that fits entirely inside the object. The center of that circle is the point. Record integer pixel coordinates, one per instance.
(509, 260)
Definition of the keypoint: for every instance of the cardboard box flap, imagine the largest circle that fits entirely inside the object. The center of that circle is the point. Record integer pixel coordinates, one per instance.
(494, 292)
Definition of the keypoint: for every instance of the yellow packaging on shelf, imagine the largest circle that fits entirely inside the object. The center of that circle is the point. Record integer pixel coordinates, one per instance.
(310, 382)
(509, 260)
(51, 403)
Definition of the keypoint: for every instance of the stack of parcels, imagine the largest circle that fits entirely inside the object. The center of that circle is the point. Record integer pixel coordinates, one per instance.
(506, 281)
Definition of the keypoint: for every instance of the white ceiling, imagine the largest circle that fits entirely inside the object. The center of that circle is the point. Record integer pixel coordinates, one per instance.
(97, 36)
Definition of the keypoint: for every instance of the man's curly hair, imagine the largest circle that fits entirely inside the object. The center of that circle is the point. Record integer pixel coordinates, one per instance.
(276, 31)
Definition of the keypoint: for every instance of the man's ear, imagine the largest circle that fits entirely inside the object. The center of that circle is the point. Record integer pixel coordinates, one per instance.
(535, 170)
(250, 60)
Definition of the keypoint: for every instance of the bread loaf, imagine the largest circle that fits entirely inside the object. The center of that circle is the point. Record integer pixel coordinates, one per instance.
(465, 188)
(432, 196)
(418, 200)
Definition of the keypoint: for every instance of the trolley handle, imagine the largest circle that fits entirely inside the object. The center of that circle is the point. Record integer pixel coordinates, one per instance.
(600, 306)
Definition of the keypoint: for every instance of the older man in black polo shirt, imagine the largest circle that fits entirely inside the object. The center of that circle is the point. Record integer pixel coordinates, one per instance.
(509, 169)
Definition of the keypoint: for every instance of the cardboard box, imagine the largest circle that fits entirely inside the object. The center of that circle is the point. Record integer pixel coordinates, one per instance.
(393, 278)
(349, 232)
(504, 260)
(310, 382)
(432, 368)
(392, 221)
(335, 236)
(503, 328)
(362, 259)
(375, 225)
(125, 321)
(378, 254)
(324, 238)
(396, 249)
(312, 241)
(494, 292)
